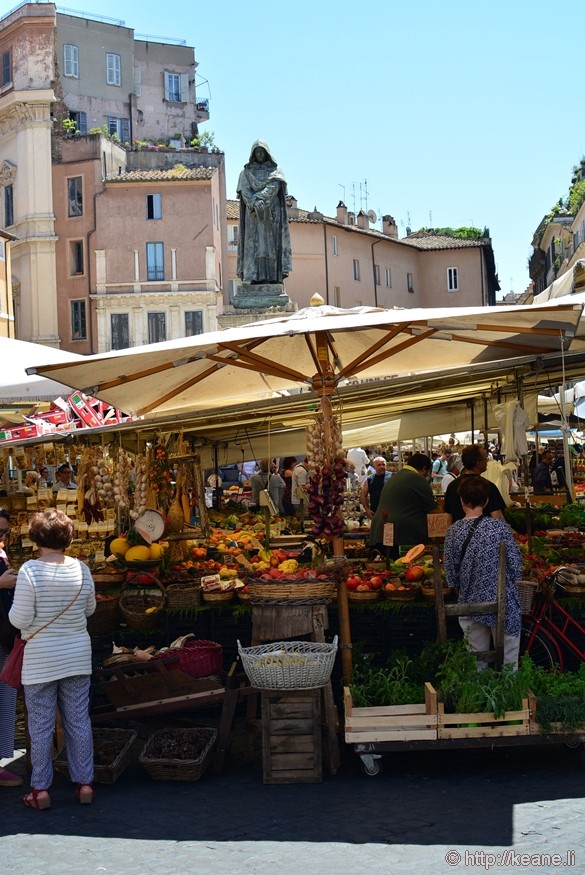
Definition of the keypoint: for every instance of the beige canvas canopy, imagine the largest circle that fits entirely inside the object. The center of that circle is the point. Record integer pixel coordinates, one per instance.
(283, 357)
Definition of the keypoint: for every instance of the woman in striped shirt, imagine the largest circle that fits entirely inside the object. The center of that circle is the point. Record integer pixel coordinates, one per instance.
(54, 595)
(7, 633)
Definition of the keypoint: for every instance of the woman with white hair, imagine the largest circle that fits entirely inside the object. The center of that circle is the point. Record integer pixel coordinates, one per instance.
(454, 469)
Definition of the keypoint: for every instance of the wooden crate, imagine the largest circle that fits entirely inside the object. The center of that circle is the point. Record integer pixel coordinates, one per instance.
(555, 728)
(484, 724)
(391, 722)
(291, 737)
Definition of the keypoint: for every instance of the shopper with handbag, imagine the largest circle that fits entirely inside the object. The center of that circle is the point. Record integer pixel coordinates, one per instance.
(53, 598)
(472, 547)
(7, 635)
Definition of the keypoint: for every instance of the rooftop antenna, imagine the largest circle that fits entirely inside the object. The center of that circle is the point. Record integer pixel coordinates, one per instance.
(364, 195)
(430, 218)
(342, 187)
(353, 195)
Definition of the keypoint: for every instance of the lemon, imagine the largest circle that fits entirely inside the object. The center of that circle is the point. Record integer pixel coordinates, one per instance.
(119, 546)
(134, 554)
(156, 551)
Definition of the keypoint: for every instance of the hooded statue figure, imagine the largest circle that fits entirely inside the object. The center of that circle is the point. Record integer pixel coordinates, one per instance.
(264, 251)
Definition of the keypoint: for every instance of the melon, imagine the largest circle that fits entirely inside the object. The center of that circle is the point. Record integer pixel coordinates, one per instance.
(156, 551)
(137, 554)
(119, 546)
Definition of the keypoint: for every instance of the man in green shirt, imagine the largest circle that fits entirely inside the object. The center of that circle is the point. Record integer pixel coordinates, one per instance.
(406, 500)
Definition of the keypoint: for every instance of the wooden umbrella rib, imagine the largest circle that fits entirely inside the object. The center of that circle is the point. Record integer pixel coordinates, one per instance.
(259, 363)
(519, 329)
(390, 335)
(506, 344)
(388, 353)
(176, 390)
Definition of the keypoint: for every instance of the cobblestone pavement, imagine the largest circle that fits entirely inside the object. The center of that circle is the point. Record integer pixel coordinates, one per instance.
(429, 813)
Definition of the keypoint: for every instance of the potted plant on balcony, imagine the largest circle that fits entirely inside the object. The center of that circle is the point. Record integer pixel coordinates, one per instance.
(206, 141)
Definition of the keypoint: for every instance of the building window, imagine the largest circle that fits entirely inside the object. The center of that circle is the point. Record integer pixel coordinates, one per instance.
(337, 296)
(80, 119)
(388, 278)
(356, 269)
(155, 261)
(71, 61)
(6, 68)
(452, 279)
(334, 244)
(113, 69)
(76, 249)
(176, 87)
(120, 330)
(154, 206)
(193, 322)
(119, 127)
(233, 235)
(8, 206)
(409, 282)
(157, 327)
(377, 274)
(78, 321)
(75, 196)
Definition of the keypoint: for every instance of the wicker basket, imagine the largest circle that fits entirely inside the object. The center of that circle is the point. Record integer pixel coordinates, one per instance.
(184, 595)
(161, 769)
(289, 665)
(106, 617)
(137, 599)
(304, 591)
(371, 596)
(526, 592)
(401, 595)
(112, 751)
(197, 657)
(104, 581)
(219, 598)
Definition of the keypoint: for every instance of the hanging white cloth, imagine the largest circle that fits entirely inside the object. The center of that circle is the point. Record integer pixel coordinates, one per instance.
(514, 423)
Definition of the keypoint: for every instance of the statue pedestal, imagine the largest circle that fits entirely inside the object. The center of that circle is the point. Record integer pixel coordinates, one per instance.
(261, 295)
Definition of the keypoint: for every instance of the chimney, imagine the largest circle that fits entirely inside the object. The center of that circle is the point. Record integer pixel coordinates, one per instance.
(292, 207)
(341, 213)
(363, 221)
(350, 218)
(389, 227)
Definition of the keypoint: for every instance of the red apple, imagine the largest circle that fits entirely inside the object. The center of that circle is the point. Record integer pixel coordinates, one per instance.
(376, 582)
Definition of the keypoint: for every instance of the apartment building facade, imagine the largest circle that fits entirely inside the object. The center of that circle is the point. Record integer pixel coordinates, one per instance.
(139, 244)
(558, 242)
(352, 264)
(55, 189)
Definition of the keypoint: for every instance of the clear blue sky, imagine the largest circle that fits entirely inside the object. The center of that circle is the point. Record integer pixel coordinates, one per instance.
(457, 113)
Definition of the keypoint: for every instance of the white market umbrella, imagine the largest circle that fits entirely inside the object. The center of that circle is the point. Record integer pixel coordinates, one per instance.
(317, 349)
(16, 384)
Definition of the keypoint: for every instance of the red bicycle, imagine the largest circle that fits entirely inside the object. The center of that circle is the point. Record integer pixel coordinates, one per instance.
(549, 631)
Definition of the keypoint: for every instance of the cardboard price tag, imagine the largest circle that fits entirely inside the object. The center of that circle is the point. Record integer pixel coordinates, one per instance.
(437, 523)
(388, 535)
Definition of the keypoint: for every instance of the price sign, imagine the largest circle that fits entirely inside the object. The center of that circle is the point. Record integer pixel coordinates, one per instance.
(388, 535)
(437, 523)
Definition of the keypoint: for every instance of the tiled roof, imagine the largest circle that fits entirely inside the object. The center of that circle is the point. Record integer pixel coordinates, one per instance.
(170, 175)
(233, 209)
(424, 240)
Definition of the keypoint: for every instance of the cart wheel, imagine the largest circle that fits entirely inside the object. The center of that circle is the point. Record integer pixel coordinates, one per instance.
(573, 743)
(372, 765)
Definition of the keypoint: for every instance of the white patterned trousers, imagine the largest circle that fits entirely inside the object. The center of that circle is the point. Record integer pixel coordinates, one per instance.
(479, 638)
(71, 695)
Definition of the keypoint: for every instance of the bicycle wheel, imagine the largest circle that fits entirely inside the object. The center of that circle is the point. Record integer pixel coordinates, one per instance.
(543, 650)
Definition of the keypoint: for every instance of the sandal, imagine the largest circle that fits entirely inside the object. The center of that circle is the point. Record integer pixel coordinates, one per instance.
(35, 800)
(85, 793)
(9, 779)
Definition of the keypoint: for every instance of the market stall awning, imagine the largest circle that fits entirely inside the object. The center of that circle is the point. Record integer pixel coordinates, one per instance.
(16, 384)
(281, 356)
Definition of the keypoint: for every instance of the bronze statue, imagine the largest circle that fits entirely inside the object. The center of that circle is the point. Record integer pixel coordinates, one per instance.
(264, 251)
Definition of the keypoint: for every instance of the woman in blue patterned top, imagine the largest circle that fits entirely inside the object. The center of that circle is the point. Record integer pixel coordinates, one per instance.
(476, 572)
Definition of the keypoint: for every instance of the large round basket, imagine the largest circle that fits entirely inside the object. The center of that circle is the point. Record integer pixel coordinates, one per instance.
(371, 596)
(107, 580)
(401, 595)
(142, 603)
(304, 591)
(184, 595)
(218, 598)
(289, 665)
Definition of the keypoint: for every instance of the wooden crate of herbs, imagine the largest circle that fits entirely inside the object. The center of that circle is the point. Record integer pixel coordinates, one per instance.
(381, 723)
